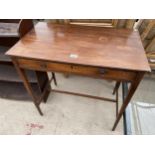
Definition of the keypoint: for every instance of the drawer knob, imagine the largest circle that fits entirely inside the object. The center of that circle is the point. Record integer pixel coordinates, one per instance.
(103, 71)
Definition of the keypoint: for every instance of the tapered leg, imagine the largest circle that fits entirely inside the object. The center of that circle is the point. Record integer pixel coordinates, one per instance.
(54, 78)
(27, 85)
(116, 103)
(115, 91)
(42, 80)
(116, 87)
(131, 91)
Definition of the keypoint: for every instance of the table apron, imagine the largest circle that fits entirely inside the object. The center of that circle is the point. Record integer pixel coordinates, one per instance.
(97, 72)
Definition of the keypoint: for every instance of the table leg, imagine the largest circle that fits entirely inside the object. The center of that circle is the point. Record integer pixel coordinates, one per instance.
(42, 80)
(54, 78)
(116, 87)
(27, 85)
(117, 103)
(115, 91)
(131, 91)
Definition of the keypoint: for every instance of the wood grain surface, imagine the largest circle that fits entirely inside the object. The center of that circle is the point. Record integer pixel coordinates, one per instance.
(91, 46)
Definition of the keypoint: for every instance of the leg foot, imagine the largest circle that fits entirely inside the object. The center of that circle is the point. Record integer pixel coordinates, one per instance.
(39, 110)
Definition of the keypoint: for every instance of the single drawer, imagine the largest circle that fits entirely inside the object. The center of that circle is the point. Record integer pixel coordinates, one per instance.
(97, 72)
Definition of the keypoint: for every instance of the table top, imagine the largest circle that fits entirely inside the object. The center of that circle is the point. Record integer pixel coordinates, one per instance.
(84, 45)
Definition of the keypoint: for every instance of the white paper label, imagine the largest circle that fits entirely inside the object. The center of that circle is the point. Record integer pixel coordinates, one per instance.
(74, 56)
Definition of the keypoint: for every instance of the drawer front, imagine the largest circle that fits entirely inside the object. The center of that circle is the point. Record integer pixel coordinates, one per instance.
(77, 69)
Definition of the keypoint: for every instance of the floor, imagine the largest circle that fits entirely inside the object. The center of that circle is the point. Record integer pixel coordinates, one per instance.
(68, 114)
(63, 114)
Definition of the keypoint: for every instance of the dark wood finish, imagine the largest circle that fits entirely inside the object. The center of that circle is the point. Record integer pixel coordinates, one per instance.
(25, 26)
(97, 72)
(111, 48)
(96, 52)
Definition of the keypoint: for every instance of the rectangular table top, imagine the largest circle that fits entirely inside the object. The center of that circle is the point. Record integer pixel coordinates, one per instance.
(84, 45)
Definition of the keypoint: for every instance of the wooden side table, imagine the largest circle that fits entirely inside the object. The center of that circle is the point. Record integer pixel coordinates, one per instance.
(105, 53)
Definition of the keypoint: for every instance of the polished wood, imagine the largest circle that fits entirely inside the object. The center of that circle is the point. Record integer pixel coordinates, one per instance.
(99, 72)
(96, 52)
(111, 48)
(25, 26)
